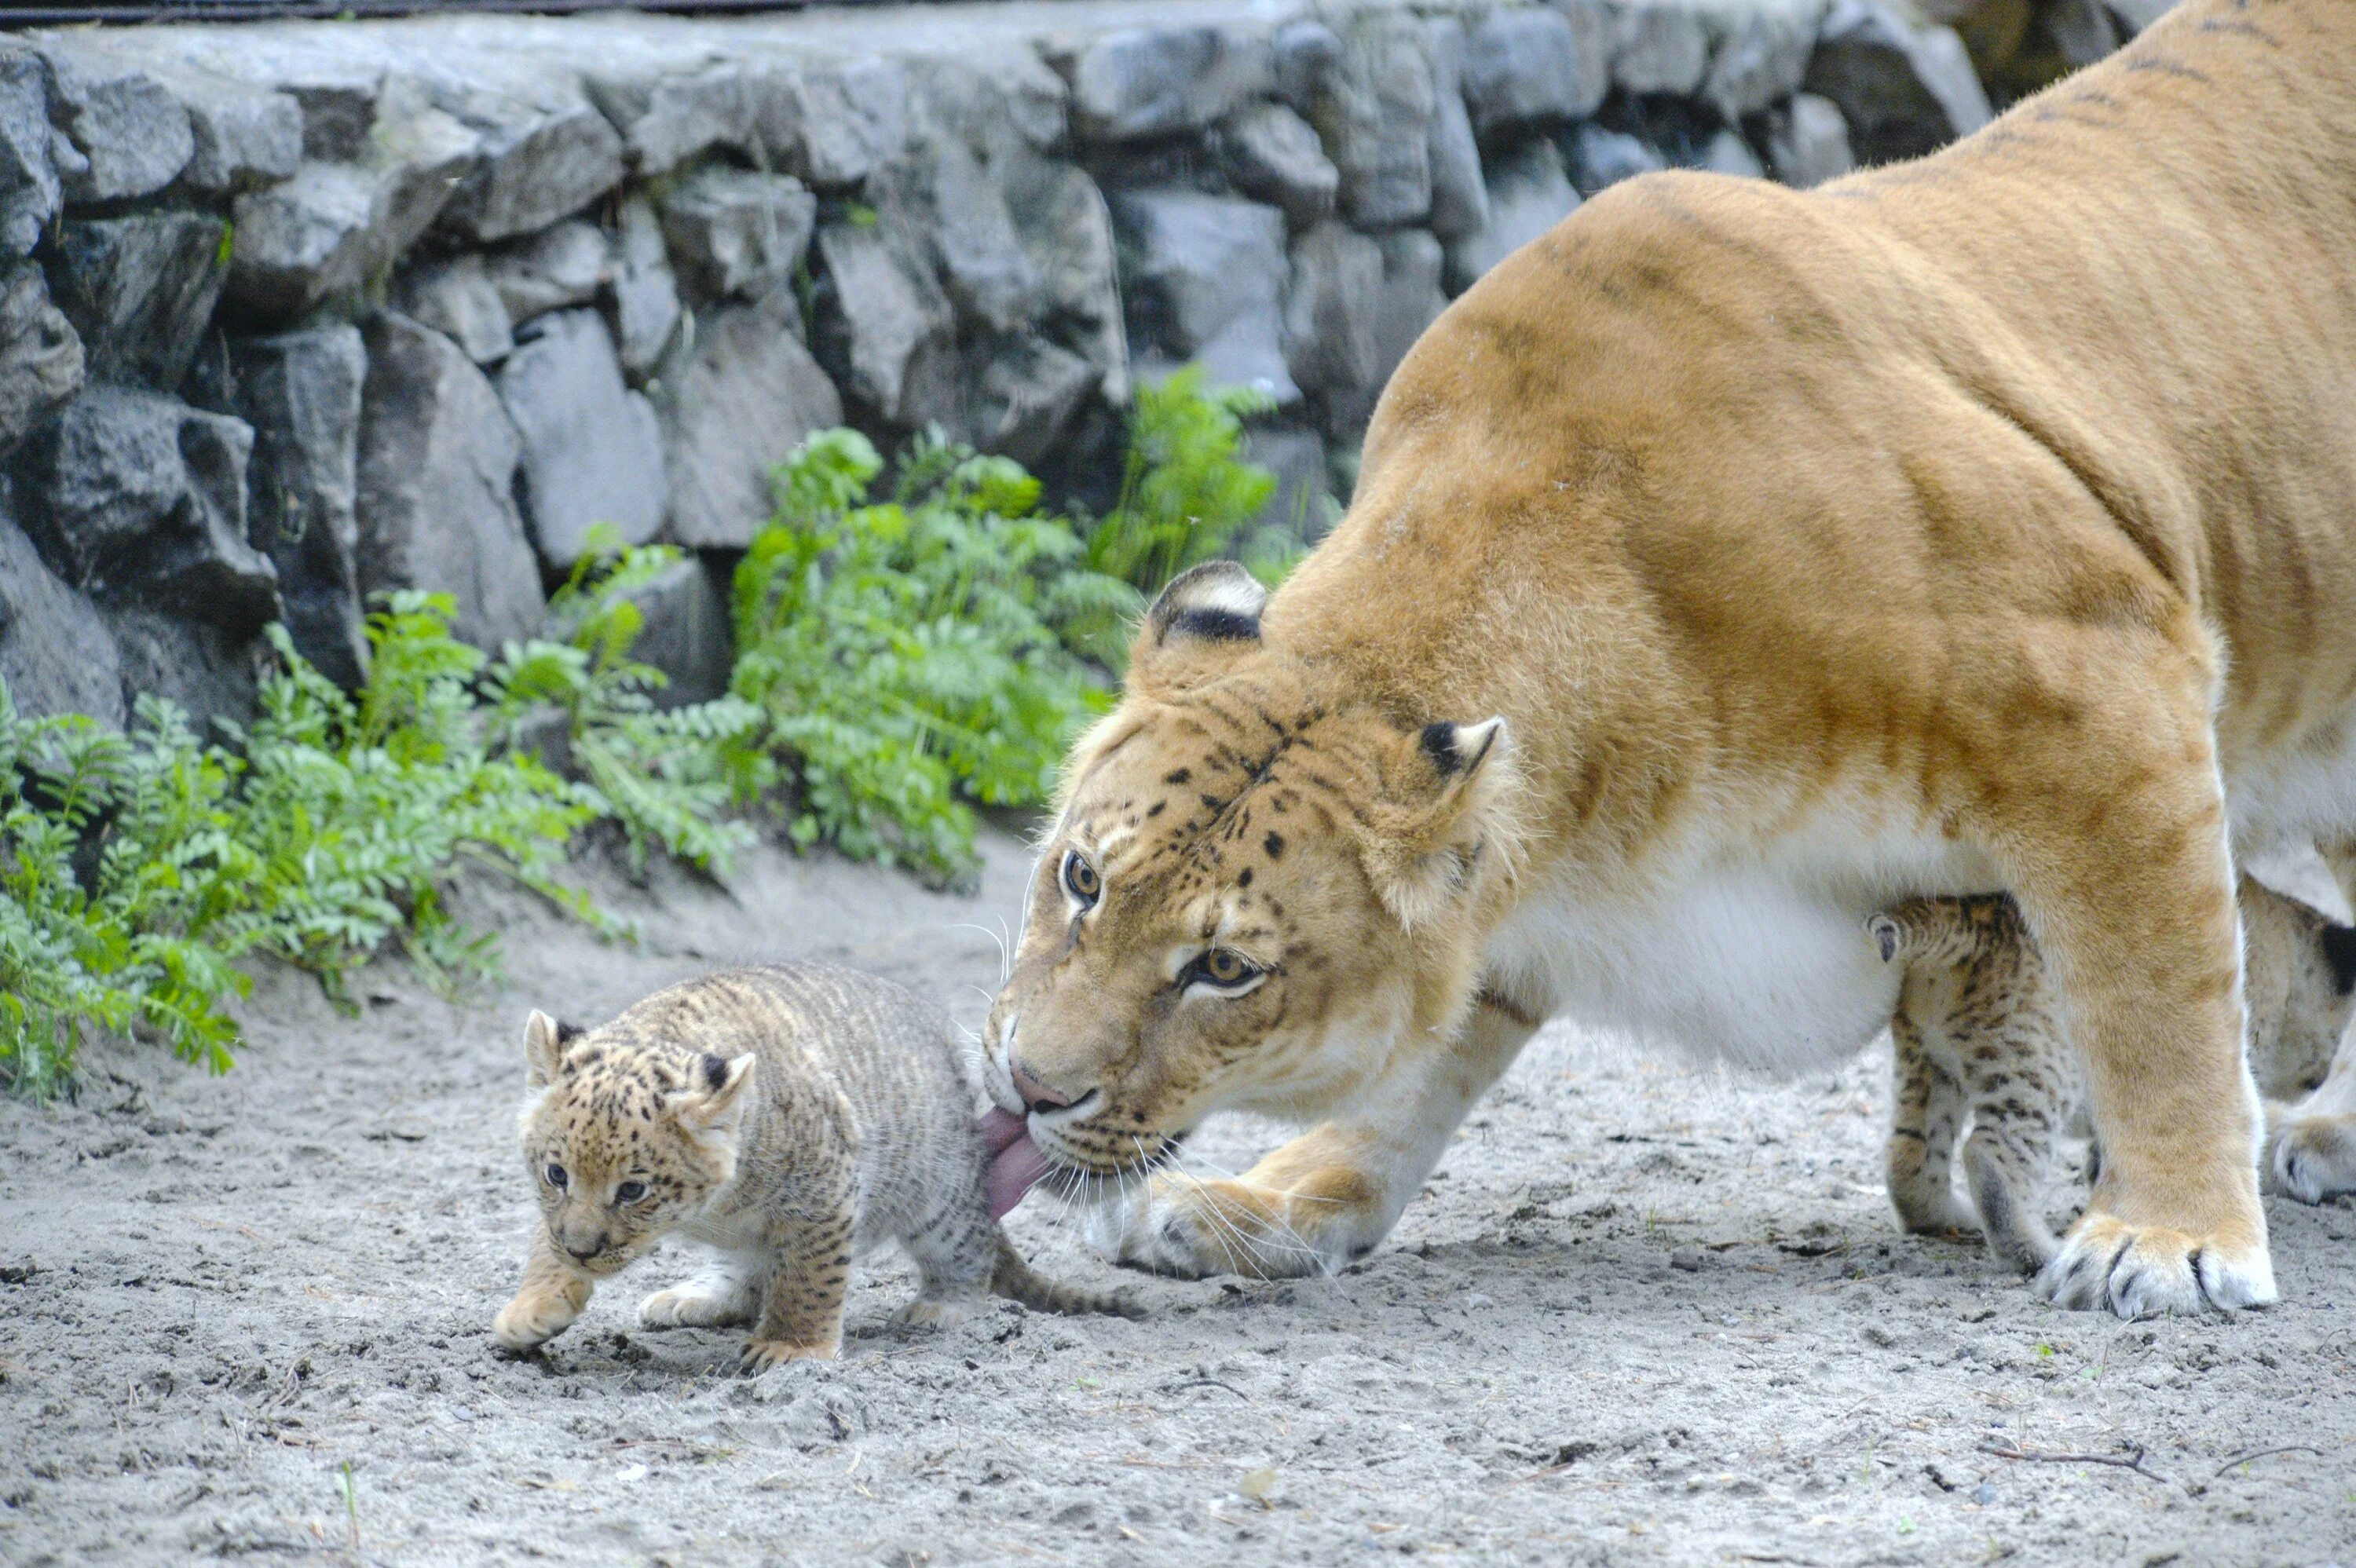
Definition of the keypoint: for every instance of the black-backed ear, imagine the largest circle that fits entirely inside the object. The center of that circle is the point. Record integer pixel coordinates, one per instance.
(2340, 952)
(1206, 617)
(714, 1100)
(1442, 800)
(544, 1039)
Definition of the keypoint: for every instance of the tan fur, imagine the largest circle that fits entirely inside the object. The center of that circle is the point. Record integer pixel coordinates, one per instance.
(1989, 509)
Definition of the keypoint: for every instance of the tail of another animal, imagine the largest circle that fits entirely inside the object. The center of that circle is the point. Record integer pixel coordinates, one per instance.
(1946, 931)
(1017, 1281)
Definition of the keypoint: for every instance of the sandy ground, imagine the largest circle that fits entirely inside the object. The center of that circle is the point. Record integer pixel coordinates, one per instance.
(1644, 1314)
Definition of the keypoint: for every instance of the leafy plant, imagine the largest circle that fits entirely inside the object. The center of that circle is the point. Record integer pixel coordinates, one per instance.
(1187, 492)
(912, 654)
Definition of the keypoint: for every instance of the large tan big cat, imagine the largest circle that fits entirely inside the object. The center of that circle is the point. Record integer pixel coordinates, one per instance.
(1980, 1041)
(1729, 562)
(789, 1117)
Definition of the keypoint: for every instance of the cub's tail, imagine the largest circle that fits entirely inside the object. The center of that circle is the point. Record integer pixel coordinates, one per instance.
(1017, 1281)
(1947, 930)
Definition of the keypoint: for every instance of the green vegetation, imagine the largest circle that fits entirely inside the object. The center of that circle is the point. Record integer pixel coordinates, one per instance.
(903, 653)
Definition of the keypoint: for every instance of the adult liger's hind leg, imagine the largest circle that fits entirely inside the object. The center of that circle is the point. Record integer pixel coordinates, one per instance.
(1920, 1153)
(2104, 809)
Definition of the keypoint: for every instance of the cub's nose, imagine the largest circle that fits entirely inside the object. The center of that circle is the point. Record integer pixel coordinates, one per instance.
(1035, 1095)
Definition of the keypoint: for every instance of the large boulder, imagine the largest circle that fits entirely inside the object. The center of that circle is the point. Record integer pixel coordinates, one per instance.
(55, 653)
(1903, 91)
(743, 398)
(1330, 309)
(1759, 53)
(536, 163)
(209, 672)
(1205, 283)
(685, 630)
(593, 452)
(1272, 154)
(1063, 224)
(736, 233)
(1601, 157)
(646, 292)
(1524, 68)
(886, 331)
(556, 269)
(847, 119)
(1137, 82)
(436, 484)
(1021, 394)
(241, 136)
(1807, 141)
(140, 289)
(136, 498)
(1409, 298)
(1302, 507)
(669, 117)
(41, 365)
(1374, 107)
(947, 216)
(128, 135)
(29, 194)
(1529, 194)
(1658, 45)
(301, 392)
(1460, 192)
(456, 297)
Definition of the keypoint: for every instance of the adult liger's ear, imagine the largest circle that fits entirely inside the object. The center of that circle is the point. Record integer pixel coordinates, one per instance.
(1441, 812)
(714, 1103)
(1207, 619)
(544, 1039)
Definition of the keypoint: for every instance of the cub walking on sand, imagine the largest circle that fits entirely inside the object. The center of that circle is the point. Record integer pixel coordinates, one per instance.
(1979, 1035)
(789, 1116)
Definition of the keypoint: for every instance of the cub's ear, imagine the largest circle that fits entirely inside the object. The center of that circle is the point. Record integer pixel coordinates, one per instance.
(1206, 617)
(544, 1039)
(714, 1103)
(1438, 817)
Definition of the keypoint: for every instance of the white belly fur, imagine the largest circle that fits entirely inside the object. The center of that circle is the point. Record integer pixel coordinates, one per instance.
(1761, 960)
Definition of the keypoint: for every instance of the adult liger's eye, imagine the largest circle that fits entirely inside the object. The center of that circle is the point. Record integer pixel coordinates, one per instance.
(1080, 879)
(1221, 968)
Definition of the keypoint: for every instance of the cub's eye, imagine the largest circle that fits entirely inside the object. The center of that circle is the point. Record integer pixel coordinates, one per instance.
(1223, 968)
(1080, 879)
(556, 1177)
(629, 1192)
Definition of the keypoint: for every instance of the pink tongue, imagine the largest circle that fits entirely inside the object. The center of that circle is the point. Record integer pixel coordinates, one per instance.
(1015, 1163)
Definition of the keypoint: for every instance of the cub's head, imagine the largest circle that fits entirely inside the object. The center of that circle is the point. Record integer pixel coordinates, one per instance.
(1256, 894)
(625, 1138)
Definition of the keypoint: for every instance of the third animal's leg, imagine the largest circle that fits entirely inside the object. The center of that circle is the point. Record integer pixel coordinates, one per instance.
(1330, 1195)
(954, 1250)
(724, 1292)
(1921, 1152)
(801, 1302)
(2008, 1158)
(2312, 1149)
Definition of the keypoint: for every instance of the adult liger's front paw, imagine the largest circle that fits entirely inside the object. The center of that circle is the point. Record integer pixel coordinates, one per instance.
(2315, 1157)
(2145, 1271)
(1177, 1225)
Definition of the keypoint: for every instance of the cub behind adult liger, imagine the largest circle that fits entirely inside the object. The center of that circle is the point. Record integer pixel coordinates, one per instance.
(788, 1117)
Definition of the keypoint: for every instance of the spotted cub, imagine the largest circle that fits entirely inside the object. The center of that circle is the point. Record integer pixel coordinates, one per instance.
(1979, 1039)
(789, 1117)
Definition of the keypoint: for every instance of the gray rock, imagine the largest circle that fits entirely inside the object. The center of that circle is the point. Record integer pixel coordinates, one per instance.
(886, 330)
(1207, 284)
(209, 672)
(2134, 15)
(133, 135)
(56, 654)
(333, 226)
(1807, 141)
(2083, 30)
(136, 498)
(744, 398)
(29, 193)
(593, 452)
(1600, 158)
(944, 204)
(1658, 45)
(1728, 153)
(1302, 507)
(436, 484)
(645, 295)
(1062, 222)
(1759, 53)
(457, 298)
(666, 120)
(1411, 298)
(533, 170)
(1903, 91)
(1592, 46)
(1022, 393)
(1135, 82)
(686, 630)
(241, 136)
(736, 233)
(41, 365)
(1529, 194)
(1459, 193)
(555, 270)
(848, 119)
(1272, 154)
(1374, 112)
(139, 290)
(1523, 68)
(301, 393)
(1329, 313)
(337, 94)
(1303, 52)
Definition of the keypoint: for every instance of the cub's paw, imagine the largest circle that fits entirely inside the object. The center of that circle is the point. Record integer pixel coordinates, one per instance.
(686, 1306)
(1177, 1225)
(2314, 1158)
(928, 1314)
(760, 1355)
(2146, 1271)
(530, 1322)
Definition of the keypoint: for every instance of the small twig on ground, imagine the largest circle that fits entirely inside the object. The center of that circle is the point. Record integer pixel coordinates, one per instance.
(2127, 1461)
(2262, 1453)
(1211, 1382)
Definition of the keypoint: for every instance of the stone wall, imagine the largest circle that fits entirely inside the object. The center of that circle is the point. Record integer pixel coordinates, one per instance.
(291, 313)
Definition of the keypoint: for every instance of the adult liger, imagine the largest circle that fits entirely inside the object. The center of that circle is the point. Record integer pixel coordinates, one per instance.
(1727, 563)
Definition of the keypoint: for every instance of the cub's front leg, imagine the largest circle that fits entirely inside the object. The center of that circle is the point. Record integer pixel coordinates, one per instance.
(553, 1292)
(801, 1306)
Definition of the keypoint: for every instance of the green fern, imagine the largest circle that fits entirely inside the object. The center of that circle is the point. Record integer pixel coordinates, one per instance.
(1187, 494)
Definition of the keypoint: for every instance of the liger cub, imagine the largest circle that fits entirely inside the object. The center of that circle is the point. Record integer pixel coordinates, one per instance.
(1980, 1039)
(788, 1116)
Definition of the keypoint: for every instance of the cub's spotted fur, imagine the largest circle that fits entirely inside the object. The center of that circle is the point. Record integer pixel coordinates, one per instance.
(788, 1116)
(1980, 1040)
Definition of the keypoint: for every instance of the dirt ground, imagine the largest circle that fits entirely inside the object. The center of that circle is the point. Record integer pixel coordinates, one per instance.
(1644, 1314)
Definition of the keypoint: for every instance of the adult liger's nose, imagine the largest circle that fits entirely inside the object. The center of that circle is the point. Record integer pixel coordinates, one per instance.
(1036, 1095)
